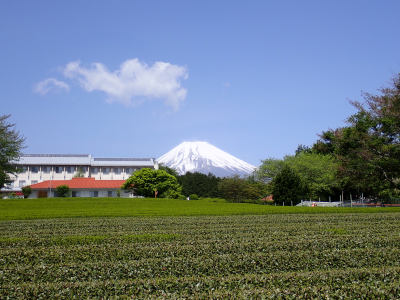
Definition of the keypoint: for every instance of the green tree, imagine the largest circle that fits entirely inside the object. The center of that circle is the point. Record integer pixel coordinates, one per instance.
(26, 190)
(205, 186)
(145, 181)
(63, 190)
(232, 188)
(239, 189)
(368, 149)
(269, 168)
(170, 171)
(317, 171)
(288, 186)
(11, 144)
(253, 191)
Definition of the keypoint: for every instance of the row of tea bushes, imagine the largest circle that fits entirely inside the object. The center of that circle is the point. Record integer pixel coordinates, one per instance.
(375, 283)
(270, 256)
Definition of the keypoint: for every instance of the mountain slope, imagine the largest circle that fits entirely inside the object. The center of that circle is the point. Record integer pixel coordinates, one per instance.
(204, 158)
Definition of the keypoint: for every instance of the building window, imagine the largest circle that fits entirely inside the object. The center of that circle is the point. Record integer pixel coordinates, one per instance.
(22, 183)
(46, 169)
(94, 194)
(59, 169)
(34, 181)
(95, 170)
(109, 194)
(82, 169)
(23, 168)
(70, 170)
(76, 194)
(117, 170)
(34, 169)
(128, 170)
(106, 171)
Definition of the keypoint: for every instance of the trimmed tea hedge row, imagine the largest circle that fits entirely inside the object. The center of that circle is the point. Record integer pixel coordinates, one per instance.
(375, 283)
(273, 256)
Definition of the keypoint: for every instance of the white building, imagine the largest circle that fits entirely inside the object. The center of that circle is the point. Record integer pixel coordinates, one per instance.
(81, 187)
(42, 167)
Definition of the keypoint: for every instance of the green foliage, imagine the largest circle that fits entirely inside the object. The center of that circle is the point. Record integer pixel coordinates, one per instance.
(63, 191)
(318, 172)
(368, 149)
(288, 186)
(335, 256)
(171, 194)
(26, 190)
(145, 181)
(237, 189)
(181, 197)
(269, 168)
(200, 184)
(11, 144)
(193, 197)
(118, 193)
(232, 187)
(169, 170)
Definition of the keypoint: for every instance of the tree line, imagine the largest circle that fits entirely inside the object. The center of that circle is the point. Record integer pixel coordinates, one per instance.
(362, 158)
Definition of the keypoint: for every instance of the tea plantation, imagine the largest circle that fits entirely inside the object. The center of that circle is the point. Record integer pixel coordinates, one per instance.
(269, 256)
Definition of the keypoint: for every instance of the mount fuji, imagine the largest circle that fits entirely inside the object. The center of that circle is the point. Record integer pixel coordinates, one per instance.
(204, 158)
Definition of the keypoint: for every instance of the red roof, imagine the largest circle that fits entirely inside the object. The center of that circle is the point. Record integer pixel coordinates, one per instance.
(80, 183)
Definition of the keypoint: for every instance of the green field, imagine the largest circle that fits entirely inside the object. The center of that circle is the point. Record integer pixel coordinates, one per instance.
(45, 208)
(257, 252)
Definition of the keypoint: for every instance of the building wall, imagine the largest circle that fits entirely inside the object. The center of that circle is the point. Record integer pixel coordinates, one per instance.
(36, 174)
(86, 193)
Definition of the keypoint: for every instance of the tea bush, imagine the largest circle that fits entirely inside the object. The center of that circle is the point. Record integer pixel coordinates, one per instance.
(284, 256)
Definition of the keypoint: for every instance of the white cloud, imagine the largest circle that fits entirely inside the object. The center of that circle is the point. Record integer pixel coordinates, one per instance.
(227, 84)
(45, 86)
(134, 82)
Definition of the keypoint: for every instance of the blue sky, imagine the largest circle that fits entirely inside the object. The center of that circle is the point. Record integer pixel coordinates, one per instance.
(137, 78)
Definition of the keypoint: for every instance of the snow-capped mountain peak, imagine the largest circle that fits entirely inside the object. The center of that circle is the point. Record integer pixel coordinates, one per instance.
(204, 158)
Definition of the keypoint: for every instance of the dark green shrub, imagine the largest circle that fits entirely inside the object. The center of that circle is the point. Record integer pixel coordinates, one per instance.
(288, 187)
(182, 197)
(193, 197)
(26, 190)
(63, 190)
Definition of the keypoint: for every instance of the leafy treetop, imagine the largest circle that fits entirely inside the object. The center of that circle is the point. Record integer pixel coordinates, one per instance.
(11, 143)
(368, 149)
(146, 181)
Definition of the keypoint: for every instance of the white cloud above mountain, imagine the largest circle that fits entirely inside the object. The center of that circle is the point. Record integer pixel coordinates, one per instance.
(133, 83)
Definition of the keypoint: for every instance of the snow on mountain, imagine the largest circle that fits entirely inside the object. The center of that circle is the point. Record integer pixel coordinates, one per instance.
(204, 158)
